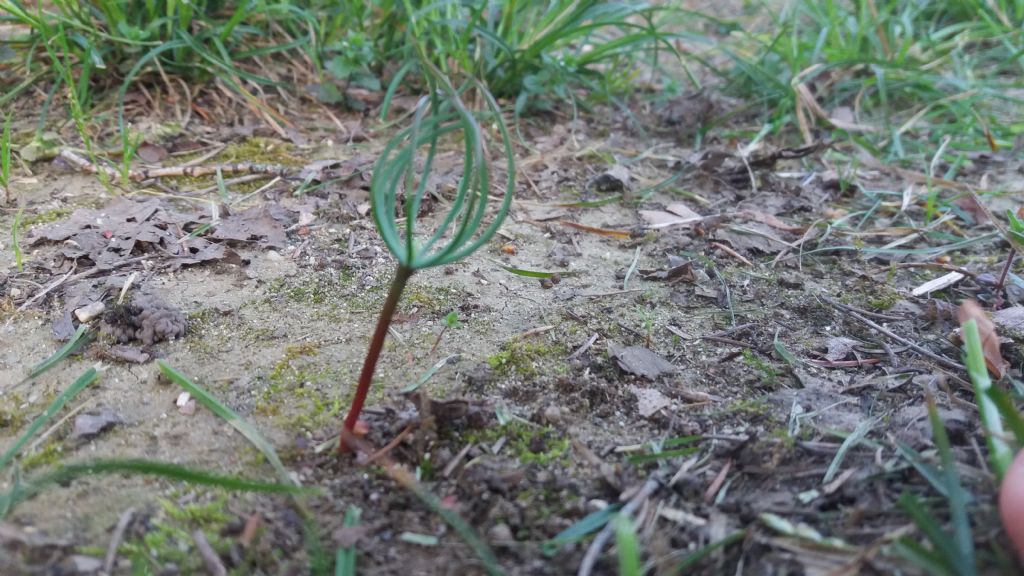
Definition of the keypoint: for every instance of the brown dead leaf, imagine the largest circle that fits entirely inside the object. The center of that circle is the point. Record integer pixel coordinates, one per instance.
(774, 222)
(970, 310)
(152, 153)
(675, 214)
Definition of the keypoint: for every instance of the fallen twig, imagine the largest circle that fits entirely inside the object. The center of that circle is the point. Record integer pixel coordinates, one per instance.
(855, 314)
(185, 170)
(116, 539)
(214, 566)
(594, 551)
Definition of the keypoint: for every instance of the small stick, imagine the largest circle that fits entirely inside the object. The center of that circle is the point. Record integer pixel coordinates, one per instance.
(116, 539)
(942, 360)
(175, 171)
(594, 551)
(716, 484)
(586, 346)
(731, 252)
(612, 293)
(390, 445)
(535, 331)
(214, 566)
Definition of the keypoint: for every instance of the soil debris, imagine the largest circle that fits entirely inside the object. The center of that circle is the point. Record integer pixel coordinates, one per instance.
(148, 320)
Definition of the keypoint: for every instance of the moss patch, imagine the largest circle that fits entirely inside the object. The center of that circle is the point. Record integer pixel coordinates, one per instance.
(523, 358)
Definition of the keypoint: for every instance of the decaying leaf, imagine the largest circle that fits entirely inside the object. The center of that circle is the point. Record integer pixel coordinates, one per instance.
(675, 214)
(839, 347)
(91, 424)
(970, 310)
(677, 272)
(640, 361)
(649, 401)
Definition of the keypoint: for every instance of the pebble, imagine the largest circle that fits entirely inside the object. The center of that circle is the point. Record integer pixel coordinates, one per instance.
(87, 313)
(500, 533)
(552, 415)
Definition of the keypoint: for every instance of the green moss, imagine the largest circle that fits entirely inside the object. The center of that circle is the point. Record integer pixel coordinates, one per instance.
(10, 416)
(45, 217)
(527, 443)
(262, 151)
(884, 301)
(170, 540)
(50, 454)
(522, 358)
(770, 374)
(429, 300)
(292, 396)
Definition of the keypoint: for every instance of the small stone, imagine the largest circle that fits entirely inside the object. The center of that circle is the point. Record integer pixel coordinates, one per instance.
(500, 533)
(552, 415)
(81, 564)
(87, 313)
(546, 283)
(274, 256)
(15, 292)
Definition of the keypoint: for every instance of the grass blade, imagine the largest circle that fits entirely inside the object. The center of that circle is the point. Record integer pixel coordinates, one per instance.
(858, 434)
(70, 472)
(587, 525)
(1000, 453)
(81, 337)
(84, 380)
(962, 552)
(345, 561)
(232, 418)
(693, 559)
(626, 541)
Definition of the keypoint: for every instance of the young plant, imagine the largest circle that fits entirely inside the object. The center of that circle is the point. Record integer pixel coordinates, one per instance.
(5, 160)
(461, 230)
(451, 321)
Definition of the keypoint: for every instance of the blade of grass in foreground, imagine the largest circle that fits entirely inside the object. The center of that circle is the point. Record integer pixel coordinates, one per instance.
(84, 380)
(81, 337)
(626, 541)
(692, 560)
(246, 429)
(1000, 453)
(64, 474)
(345, 561)
(319, 561)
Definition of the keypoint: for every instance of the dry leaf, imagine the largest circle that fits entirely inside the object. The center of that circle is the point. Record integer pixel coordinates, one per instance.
(970, 310)
(649, 401)
(640, 361)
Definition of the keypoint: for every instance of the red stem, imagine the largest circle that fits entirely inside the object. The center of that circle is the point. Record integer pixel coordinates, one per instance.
(402, 275)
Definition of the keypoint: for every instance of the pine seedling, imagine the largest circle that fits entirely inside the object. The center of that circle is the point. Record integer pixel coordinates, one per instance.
(462, 229)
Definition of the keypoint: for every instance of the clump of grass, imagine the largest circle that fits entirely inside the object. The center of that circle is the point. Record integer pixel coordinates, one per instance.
(528, 52)
(898, 77)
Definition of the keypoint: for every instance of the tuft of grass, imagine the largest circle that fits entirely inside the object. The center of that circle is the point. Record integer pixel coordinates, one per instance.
(897, 77)
(948, 553)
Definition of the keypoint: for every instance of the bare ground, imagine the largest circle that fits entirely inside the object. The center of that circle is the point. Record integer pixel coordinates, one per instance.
(538, 417)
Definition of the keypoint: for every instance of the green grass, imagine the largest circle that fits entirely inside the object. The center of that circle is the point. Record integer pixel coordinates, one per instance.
(915, 73)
